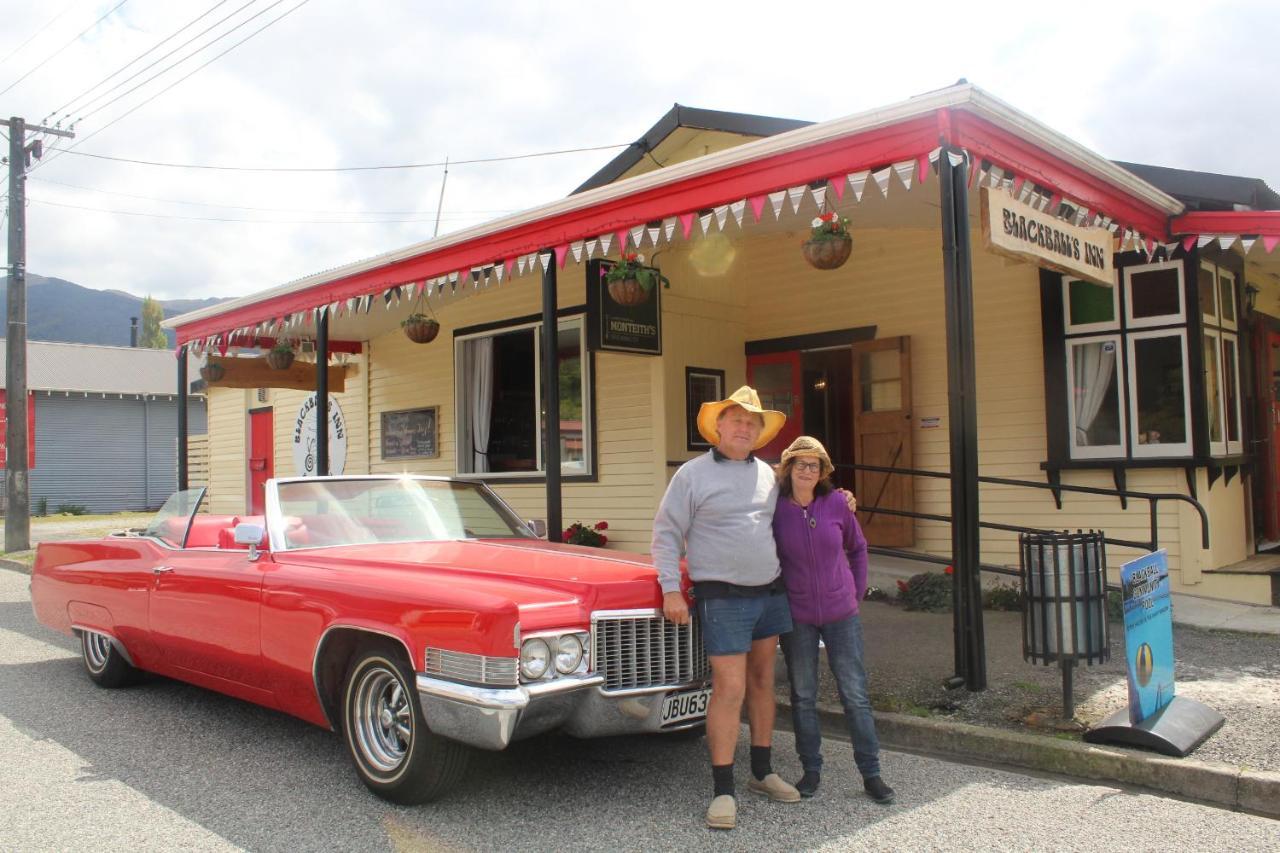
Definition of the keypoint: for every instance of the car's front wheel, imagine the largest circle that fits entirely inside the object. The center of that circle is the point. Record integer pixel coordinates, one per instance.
(394, 752)
(105, 663)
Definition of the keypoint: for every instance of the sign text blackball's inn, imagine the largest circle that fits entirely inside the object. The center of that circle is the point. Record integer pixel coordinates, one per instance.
(1119, 326)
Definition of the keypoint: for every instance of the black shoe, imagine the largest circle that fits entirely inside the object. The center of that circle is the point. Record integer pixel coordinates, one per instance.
(808, 784)
(877, 790)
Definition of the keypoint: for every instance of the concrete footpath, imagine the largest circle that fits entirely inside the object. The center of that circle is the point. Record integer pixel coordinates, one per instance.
(1018, 720)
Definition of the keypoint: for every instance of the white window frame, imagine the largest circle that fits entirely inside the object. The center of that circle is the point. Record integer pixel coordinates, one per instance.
(1108, 451)
(1234, 323)
(1231, 447)
(1164, 319)
(462, 422)
(1219, 447)
(1212, 269)
(1084, 328)
(1148, 451)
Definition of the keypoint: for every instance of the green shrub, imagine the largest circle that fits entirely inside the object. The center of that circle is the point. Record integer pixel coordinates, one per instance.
(1002, 597)
(926, 591)
(71, 509)
(1115, 606)
(875, 593)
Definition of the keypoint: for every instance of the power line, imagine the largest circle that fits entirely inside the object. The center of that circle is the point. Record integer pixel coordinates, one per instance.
(346, 168)
(186, 76)
(132, 61)
(168, 68)
(51, 56)
(231, 219)
(267, 209)
(32, 37)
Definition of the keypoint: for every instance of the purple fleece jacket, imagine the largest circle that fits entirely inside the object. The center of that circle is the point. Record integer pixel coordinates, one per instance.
(824, 567)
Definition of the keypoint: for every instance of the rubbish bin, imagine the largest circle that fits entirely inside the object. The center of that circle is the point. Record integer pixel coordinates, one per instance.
(1064, 602)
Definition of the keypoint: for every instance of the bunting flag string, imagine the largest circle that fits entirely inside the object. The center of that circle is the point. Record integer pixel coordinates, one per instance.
(738, 208)
(858, 183)
(722, 216)
(775, 201)
(796, 194)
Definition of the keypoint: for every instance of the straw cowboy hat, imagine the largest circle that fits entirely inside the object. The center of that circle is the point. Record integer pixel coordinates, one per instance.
(807, 445)
(747, 398)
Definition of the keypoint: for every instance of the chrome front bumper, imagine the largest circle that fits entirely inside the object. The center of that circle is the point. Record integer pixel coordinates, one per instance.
(491, 718)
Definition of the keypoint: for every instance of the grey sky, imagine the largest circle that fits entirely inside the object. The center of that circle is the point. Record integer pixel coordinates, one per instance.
(339, 84)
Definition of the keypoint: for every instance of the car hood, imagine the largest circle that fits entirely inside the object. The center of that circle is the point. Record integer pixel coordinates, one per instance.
(554, 585)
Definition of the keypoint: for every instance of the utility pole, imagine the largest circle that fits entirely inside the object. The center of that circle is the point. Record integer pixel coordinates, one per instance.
(17, 515)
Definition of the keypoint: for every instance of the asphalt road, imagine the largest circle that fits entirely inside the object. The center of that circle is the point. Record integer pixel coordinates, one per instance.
(168, 766)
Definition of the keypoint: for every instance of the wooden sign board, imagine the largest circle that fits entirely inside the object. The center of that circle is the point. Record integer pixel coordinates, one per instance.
(255, 373)
(1019, 231)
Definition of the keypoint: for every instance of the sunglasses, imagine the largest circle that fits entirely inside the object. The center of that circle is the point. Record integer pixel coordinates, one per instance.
(807, 466)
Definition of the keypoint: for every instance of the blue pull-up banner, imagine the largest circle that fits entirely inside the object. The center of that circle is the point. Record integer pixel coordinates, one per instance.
(1148, 634)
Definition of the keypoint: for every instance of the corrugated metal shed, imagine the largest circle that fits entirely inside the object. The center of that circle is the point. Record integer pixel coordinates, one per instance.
(53, 366)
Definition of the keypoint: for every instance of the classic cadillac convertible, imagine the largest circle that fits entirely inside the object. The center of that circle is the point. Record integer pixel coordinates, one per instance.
(419, 616)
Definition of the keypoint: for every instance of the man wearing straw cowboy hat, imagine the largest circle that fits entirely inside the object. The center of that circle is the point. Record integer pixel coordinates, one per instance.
(718, 511)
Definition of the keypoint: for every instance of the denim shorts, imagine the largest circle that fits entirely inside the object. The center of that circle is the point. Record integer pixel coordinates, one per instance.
(729, 625)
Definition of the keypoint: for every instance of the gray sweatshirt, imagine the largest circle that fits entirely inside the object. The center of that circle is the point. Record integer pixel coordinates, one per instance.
(718, 512)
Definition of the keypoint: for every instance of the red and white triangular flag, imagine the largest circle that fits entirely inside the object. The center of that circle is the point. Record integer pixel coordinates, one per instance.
(1227, 240)
(686, 224)
(669, 227)
(1204, 240)
(705, 221)
(857, 183)
(882, 180)
(653, 232)
(1269, 243)
(757, 206)
(722, 215)
(737, 209)
(1246, 243)
(905, 170)
(637, 236)
(606, 240)
(837, 184)
(576, 248)
(520, 264)
(591, 248)
(820, 197)
(775, 200)
(796, 194)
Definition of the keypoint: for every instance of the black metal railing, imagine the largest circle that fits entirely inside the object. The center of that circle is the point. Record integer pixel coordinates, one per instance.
(1153, 500)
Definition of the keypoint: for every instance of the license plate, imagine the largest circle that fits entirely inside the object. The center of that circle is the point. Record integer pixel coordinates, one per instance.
(690, 705)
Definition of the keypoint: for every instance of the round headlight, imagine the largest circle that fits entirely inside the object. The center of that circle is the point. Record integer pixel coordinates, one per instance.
(568, 653)
(535, 658)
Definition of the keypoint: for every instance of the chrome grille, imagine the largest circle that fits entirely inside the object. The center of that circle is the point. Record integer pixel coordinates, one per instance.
(476, 669)
(636, 649)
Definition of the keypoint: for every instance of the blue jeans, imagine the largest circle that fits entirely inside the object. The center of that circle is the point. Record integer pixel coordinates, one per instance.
(844, 653)
(731, 625)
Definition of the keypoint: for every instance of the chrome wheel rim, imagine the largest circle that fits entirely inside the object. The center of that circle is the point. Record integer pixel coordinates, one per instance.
(382, 720)
(97, 648)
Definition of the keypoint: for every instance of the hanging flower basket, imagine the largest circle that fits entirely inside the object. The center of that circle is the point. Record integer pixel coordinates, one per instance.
(830, 244)
(212, 372)
(280, 357)
(630, 282)
(628, 291)
(420, 328)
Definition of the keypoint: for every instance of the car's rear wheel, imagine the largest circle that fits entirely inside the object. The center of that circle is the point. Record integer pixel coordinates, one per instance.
(395, 754)
(104, 663)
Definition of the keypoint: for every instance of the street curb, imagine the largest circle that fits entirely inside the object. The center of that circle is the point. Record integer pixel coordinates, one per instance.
(15, 566)
(1241, 789)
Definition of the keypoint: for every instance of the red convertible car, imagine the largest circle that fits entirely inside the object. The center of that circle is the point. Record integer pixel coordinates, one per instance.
(419, 616)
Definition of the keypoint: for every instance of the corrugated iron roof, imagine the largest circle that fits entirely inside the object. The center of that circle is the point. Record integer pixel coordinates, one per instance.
(53, 366)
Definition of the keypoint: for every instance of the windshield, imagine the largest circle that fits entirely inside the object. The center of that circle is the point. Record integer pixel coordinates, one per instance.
(361, 511)
(171, 522)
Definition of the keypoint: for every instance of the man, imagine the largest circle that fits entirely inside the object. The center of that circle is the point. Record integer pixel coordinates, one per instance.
(718, 509)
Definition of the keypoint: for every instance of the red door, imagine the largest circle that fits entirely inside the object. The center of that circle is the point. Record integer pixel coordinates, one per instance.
(777, 379)
(261, 441)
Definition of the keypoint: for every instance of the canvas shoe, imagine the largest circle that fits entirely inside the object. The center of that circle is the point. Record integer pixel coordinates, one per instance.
(723, 812)
(877, 790)
(808, 784)
(774, 787)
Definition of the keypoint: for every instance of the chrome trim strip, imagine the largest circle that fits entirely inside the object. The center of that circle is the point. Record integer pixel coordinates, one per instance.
(563, 684)
(491, 698)
(658, 688)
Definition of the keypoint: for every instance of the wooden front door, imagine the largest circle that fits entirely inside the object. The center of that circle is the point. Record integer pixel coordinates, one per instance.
(261, 453)
(776, 378)
(882, 436)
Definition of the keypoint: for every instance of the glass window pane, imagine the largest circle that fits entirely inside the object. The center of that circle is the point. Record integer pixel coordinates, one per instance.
(881, 381)
(573, 419)
(504, 376)
(1231, 385)
(1208, 294)
(1095, 394)
(1212, 387)
(1159, 394)
(1155, 293)
(1227, 297)
(1089, 302)
(773, 383)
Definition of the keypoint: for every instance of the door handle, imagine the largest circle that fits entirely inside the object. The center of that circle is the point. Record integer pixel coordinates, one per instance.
(162, 570)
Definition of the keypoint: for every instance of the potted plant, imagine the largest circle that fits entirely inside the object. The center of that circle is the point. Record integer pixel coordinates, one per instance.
(579, 534)
(630, 282)
(829, 245)
(212, 372)
(420, 328)
(280, 356)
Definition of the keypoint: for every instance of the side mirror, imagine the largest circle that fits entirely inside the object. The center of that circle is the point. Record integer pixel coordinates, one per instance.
(251, 535)
(538, 526)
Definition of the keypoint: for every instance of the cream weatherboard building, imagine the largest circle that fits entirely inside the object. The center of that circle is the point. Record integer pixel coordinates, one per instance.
(1144, 380)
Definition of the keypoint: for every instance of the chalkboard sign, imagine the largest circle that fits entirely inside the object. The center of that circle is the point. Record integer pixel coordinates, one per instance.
(411, 434)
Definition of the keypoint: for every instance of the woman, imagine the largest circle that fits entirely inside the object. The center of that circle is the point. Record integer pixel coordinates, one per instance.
(824, 564)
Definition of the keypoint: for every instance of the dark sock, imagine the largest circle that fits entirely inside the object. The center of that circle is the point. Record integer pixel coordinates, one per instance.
(761, 761)
(722, 778)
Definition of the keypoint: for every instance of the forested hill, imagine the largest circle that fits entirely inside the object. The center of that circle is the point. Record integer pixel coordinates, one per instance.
(60, 310)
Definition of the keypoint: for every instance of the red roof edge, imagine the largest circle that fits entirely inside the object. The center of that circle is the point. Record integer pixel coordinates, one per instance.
(1263, 223)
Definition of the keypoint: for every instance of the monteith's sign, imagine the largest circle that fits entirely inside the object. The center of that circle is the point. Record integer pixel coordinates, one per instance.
(624, 316)
(1019, 231)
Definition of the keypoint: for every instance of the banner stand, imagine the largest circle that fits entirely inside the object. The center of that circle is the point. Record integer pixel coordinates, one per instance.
(1176, 729)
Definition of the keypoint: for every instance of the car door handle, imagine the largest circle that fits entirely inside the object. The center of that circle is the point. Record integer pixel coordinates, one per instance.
(162, 570)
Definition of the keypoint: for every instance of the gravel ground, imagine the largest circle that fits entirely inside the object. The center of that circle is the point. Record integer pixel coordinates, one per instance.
(909, 654)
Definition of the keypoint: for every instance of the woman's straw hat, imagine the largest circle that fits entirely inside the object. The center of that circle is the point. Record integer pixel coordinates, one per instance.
(807, 445)
(747, 398)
